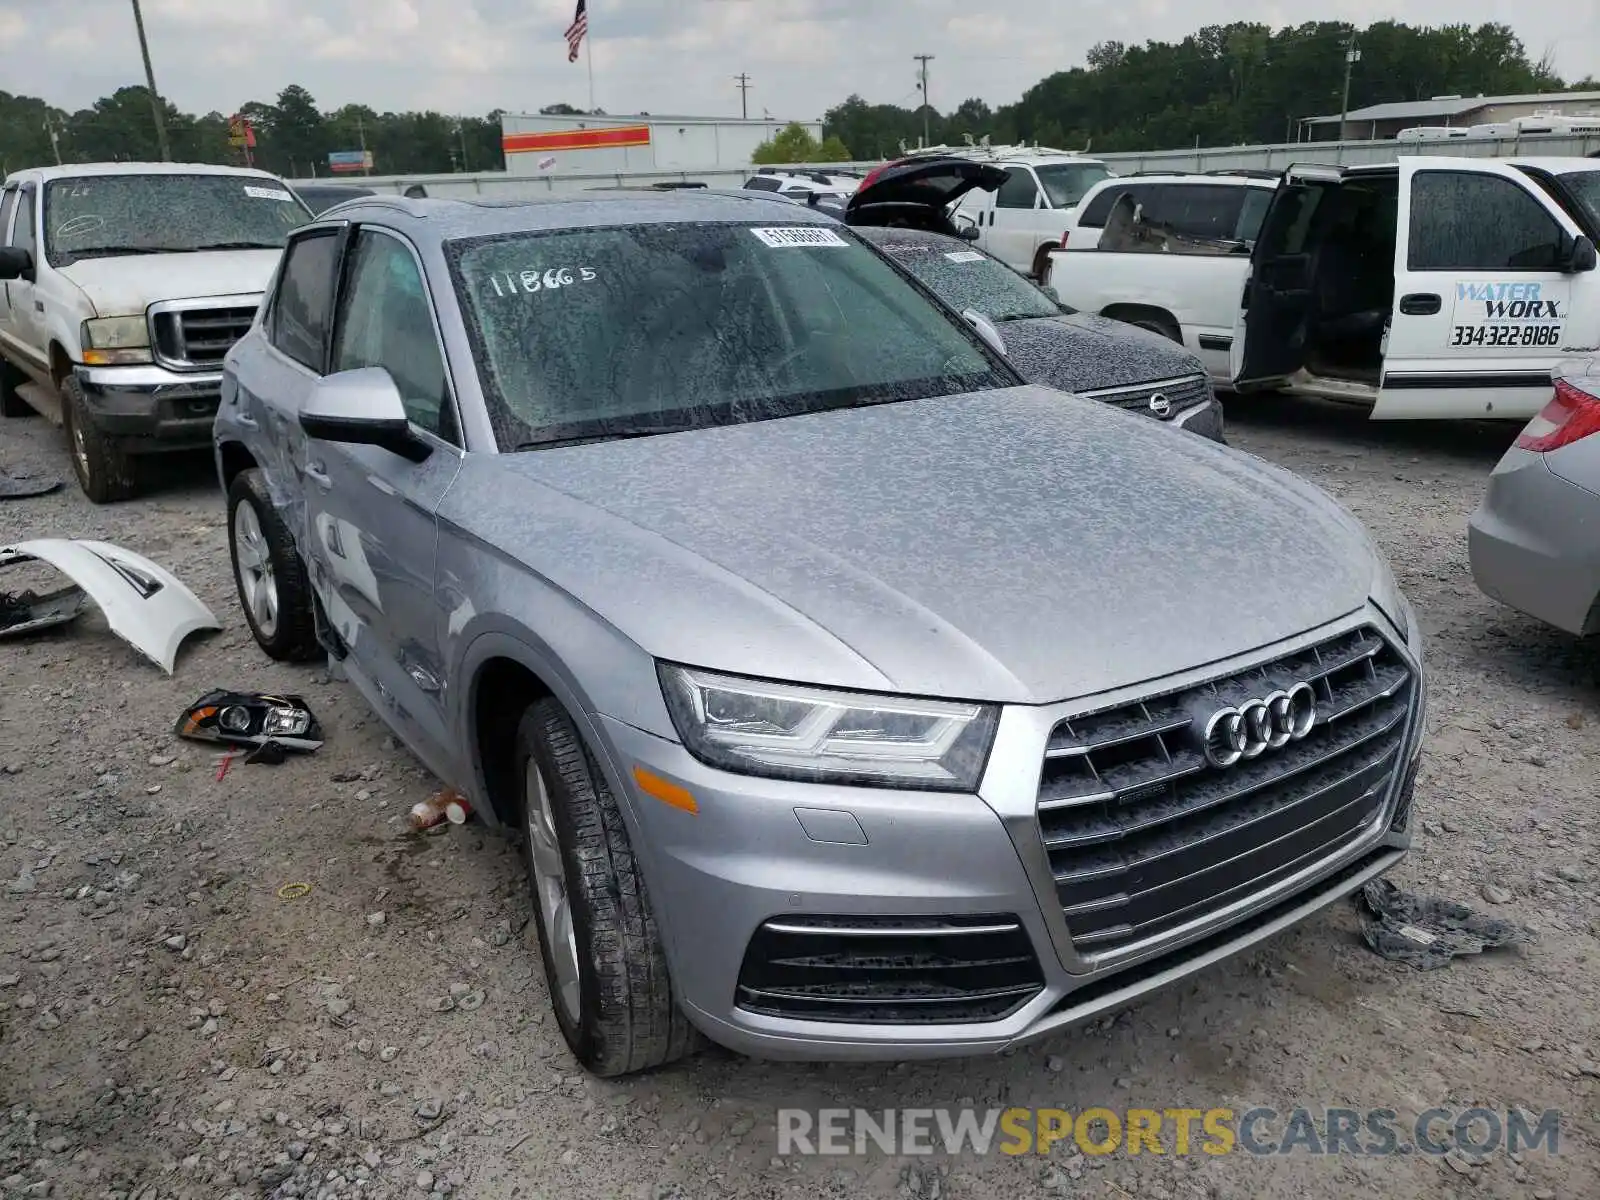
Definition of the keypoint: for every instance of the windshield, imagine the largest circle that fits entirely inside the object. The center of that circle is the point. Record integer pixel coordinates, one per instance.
(1585, 187)
(98, 216)
(966, 279)
(1065, 183)
(589, 334)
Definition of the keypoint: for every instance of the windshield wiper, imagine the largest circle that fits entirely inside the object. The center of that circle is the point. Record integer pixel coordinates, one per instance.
(238, 246)
(108, 251)
(622, 435)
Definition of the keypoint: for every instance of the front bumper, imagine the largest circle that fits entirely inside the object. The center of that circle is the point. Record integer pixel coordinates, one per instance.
(1534, 544)
(762, 853)
(1204, 419)
(151, 408)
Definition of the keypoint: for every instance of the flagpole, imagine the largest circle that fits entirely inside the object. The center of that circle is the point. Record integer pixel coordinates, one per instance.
(588, 57)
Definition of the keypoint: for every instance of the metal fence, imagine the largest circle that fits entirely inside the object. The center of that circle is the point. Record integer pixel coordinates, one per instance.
(499, 185)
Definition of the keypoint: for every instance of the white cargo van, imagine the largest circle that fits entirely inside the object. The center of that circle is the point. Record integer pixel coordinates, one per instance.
(1433, 287)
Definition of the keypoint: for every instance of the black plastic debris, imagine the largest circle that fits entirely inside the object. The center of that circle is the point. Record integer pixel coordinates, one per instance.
(1427, 932)
(252, 719)
(268, 754)
(29, 612)
(13, 487)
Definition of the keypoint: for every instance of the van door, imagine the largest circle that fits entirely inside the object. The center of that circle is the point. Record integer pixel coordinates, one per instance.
(978, 207)
(1012, 235)
(1486, 297)
(1269, 337)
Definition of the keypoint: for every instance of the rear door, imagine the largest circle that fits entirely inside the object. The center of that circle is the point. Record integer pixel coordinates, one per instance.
(1269, 337)
(1484, 303)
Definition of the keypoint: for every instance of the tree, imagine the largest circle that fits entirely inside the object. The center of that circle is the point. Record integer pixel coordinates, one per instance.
(792, 144)
(832, 150)
(561, 110)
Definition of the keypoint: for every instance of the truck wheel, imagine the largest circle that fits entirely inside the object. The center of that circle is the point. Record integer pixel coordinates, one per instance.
(270, 576)
(1042, 264)
(11, 403)
(603, 958)
(105, 471)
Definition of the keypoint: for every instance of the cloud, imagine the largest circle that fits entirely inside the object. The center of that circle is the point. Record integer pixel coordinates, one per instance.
(661, 56)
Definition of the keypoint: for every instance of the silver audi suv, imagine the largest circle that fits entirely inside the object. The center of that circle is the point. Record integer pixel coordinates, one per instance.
(851, 697)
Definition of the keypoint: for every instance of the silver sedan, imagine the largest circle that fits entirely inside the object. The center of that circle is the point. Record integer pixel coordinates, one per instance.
(1534, 542)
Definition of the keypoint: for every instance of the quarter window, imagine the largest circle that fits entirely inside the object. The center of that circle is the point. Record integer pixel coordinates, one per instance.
(385, 321)
(304, 303)
(1466, 221)
(1018, 191)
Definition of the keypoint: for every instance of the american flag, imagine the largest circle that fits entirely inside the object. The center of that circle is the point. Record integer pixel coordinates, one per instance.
(575, 31)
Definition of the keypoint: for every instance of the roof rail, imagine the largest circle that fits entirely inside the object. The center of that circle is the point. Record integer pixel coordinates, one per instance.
(983, 150)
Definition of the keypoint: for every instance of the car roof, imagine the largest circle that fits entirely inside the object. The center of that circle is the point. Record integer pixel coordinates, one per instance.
(446, 219)
(79, 170)
(887, 235)
(1180, 177)
(1556, 166)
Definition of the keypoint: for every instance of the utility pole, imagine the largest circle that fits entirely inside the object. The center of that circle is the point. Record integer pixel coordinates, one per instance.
(461, 128)
(744, 96)
(55, 138)
(1352, 55)
(150, 78)
(924, 59)
(361, 132)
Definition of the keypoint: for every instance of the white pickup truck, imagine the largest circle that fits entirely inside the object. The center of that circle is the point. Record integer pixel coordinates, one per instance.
(1430, 287)
(122, 285)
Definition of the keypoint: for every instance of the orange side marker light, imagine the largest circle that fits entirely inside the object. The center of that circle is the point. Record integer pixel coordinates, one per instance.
(668, 793)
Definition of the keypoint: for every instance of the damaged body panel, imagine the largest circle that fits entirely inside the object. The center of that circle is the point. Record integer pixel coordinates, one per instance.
(144, 603)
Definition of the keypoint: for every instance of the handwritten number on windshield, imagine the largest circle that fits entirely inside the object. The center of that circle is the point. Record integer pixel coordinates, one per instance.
(516, 283)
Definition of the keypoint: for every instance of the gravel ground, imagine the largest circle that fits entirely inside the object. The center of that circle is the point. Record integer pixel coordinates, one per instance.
(171, 1026)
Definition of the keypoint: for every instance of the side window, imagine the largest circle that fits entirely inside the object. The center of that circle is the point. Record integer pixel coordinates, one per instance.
(1020, 190)
(1093, 215)
(1205, 211)
(761, 183)
(8, 201)
(385, 321)
(304, 303)
(1465, 221)
(22, 234)
(1252, 211)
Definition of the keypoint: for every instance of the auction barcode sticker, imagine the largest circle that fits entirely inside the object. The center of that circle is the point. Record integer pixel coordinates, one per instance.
(965, 256)
(805, 235)
(261, 193)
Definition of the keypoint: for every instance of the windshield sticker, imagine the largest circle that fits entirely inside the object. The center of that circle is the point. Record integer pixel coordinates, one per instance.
(964, 256)
(516, 283)
(1490, 314)
(805, 235)
(261, 193)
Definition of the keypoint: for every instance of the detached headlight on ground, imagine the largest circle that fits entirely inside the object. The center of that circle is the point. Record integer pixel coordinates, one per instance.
(116, 341)
(792, 732)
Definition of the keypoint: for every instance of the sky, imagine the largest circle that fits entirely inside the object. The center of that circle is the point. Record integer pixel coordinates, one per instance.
(676, 57)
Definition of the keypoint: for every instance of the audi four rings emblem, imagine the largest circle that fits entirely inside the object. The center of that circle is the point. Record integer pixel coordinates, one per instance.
(1160, 405)
(1256, 726)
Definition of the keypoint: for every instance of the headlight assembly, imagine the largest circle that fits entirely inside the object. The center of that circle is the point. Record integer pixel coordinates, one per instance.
(787, 731)
(116, 341)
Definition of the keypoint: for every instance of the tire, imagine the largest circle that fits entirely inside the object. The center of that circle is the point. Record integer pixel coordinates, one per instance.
(11, 403)
(273, 590)
(1041, 265)
(620, 1015)
(105, 471)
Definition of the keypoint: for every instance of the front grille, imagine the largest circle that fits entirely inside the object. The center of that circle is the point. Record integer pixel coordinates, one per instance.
(881, 971)
(197, 338)
(1181, 394)
(1144, 834)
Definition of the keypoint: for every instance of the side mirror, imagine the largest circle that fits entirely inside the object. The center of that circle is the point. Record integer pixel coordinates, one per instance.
(970, 233)
(15, 263)
(1580, 256)
(362, 408)
(986, 330)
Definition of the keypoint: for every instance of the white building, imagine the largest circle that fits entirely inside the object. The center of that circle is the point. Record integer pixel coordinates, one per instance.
(536, 144)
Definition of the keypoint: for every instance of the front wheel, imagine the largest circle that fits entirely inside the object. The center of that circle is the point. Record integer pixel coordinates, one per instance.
(604, 961)
(105, 471)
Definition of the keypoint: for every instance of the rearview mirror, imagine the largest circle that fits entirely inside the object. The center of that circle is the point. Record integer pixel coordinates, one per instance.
(1580, 256)
(362, 408)
(15, 263)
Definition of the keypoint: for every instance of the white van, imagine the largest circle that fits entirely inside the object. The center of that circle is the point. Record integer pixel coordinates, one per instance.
(1024, 220)
(1431, 287)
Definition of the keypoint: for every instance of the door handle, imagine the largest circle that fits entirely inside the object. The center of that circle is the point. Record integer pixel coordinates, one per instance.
(1420, 304)
(315, 473)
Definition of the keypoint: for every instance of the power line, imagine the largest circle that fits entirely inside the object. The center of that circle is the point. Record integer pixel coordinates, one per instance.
(925, 59)
(744, 96)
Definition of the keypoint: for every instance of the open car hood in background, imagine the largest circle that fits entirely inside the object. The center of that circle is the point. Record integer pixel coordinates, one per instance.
(143, 602)
(932, 184)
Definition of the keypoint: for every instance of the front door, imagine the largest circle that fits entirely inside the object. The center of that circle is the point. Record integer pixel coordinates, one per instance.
(370, 512)
(23, 316)
(1486, 302)
(1270, 336)
(1013, 232)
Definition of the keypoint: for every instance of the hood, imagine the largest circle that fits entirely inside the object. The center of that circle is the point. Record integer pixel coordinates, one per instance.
(1015, 545)
(1079, 353)
(930, 184)
(126, 286)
